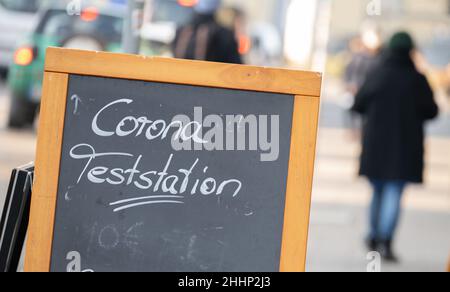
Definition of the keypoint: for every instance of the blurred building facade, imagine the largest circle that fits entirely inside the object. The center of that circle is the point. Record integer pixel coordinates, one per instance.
(427, 19)
(330, 23)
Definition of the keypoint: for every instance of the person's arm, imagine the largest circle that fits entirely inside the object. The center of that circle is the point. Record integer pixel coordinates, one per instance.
(362, 98)
(348, 72)
(427, 106)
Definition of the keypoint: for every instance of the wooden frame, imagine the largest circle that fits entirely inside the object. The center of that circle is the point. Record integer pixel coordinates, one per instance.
(60, 63)
(448, 265)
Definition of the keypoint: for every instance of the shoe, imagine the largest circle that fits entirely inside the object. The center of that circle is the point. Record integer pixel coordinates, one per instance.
(371, 244)
(387, 252)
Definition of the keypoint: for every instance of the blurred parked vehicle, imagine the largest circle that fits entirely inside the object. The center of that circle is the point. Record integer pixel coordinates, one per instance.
(17, 19)
(265, 47)
(96, 28)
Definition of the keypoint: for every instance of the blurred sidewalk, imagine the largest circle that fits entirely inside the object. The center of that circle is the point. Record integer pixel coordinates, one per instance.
(339, 212)
(340, 198)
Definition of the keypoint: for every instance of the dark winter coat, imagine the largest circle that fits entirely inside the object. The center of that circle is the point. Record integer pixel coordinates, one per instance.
(205, 40)
(395, 102)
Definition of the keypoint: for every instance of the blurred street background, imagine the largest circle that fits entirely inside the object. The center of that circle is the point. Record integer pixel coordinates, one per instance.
(301, 34)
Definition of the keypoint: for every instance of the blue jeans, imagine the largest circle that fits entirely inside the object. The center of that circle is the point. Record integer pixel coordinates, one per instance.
(385, 209)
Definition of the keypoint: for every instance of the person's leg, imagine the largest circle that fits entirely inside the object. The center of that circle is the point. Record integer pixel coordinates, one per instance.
(390, 209)
(375, 213)
(389, 216)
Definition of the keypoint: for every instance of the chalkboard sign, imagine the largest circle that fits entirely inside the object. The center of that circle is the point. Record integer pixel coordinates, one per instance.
(149, 164)
(14, 219)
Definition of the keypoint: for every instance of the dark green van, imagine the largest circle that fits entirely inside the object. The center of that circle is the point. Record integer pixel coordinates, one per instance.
(96, 28)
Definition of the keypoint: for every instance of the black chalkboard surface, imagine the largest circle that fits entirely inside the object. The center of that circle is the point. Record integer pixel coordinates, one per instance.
(130, 202)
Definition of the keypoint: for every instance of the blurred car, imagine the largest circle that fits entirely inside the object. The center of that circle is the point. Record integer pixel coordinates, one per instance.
(17, 19)
(96, 28)
(265, 47)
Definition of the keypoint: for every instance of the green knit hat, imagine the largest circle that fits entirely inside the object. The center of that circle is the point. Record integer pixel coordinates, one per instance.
(402, 42)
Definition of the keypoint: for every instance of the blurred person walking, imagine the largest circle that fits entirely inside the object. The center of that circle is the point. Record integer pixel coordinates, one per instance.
(395, 101)
(363, 59)
(205, 39)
